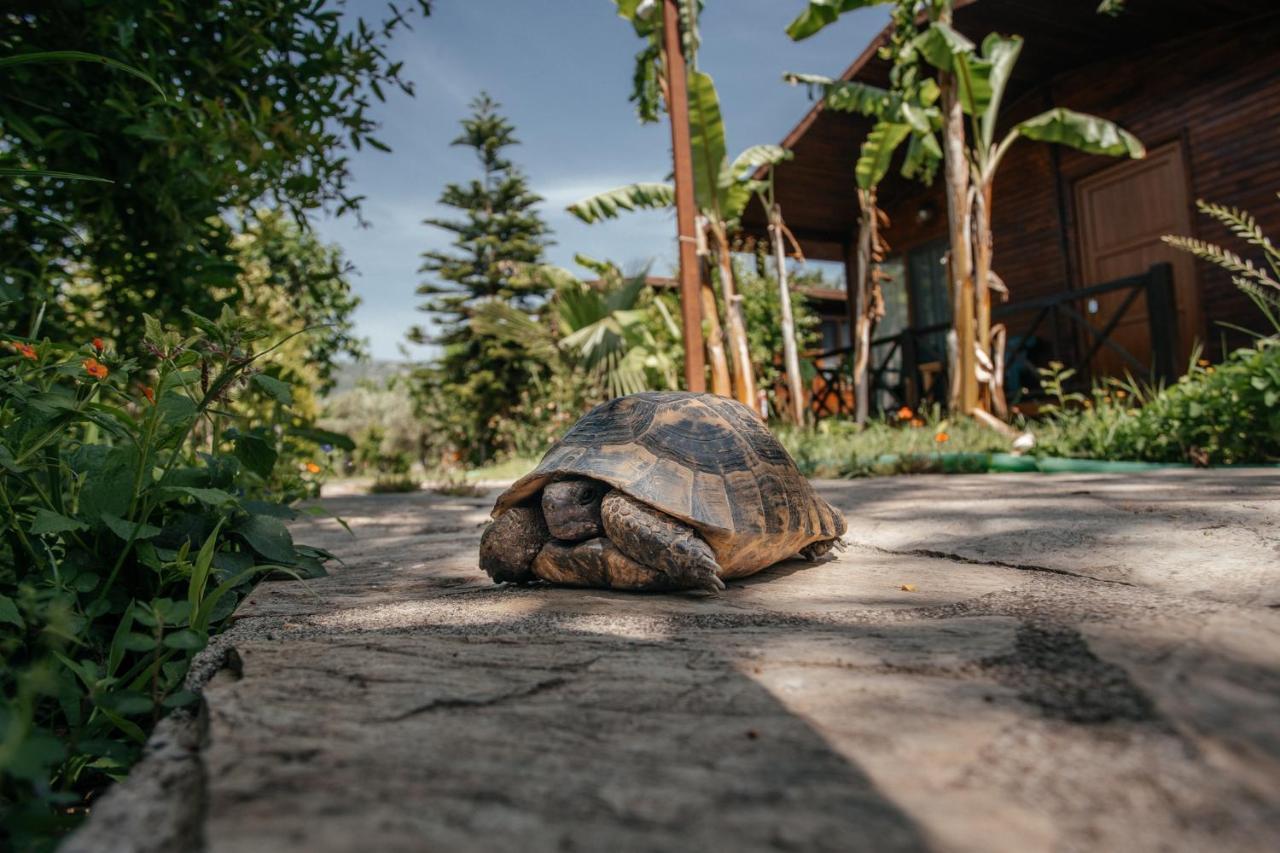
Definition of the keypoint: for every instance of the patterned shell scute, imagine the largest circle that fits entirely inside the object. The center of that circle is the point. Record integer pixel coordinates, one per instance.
(705, 459)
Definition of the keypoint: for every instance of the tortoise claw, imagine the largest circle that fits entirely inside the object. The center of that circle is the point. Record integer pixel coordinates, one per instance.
(710, 582)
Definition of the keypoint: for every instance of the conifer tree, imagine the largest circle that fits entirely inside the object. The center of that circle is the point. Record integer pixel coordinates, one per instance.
(478, 377)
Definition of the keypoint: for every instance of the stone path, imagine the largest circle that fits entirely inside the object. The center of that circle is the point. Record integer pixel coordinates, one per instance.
(1009, 663)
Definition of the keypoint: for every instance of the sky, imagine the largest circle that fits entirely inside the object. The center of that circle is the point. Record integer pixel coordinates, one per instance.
(562, 71)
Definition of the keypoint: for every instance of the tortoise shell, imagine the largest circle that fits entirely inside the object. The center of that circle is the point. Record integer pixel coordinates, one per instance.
(704, 459)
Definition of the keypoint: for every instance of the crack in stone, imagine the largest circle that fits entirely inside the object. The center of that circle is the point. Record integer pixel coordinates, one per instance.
(449, 702)
(974, 561)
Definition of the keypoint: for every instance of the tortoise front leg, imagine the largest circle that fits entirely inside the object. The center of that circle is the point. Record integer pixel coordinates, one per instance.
(655, 539)
(596, 563)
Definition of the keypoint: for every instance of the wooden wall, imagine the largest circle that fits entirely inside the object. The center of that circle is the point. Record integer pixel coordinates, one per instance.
(1217, 94)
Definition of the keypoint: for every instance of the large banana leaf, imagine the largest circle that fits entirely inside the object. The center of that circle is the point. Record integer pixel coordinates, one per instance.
(877, 152)
(820, 13)
(608, 205)
(706, 128)
(1087, 133)
(756, 156)
(1000, 55)
(845, 96)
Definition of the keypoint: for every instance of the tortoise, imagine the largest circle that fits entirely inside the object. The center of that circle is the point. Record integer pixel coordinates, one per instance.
(658, 491)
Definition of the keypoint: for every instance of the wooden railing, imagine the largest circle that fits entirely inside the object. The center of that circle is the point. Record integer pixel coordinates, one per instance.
(909, 368)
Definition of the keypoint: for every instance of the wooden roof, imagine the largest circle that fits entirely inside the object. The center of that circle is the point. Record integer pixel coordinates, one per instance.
(816, 189)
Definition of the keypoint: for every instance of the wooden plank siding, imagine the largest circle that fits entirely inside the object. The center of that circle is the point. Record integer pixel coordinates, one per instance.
(1213, 90)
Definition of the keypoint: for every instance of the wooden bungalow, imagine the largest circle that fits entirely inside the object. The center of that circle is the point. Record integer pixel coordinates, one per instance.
(1077, 237)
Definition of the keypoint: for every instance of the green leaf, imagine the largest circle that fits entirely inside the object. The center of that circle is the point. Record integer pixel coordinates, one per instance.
(1001, 54)
(1087, 133)
(109, 482)
(844, 96)
(186, 640)
(255, 454)
(607, 205)
(877, 152)
(50, 522)
(706, 130)
(759, 155)
(941, 45)
(179, 699)
(9, 612)
(208, 497)
(79, 56)
(200, 569)
(323, 436)
(118, 642)
(128, 530)
(50, 173)
(821, 13)
(127, 703)
(279, 391)
(268, 537)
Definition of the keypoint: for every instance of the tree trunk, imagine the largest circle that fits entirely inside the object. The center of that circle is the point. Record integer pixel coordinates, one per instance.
(720, 383)
(790, 355)
(982, 251)
(744, 380)
(964, 385)
(862, 315)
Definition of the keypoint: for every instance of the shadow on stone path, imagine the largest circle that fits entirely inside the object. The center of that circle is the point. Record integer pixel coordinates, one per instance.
(1085, 663)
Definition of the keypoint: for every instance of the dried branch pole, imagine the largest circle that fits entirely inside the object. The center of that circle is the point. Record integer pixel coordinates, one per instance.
(721, 384)
(868, 298)
(790, 353)
(744, 380)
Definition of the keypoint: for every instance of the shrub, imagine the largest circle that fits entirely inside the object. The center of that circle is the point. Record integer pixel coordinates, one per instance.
(137, 511)
(1215, 414)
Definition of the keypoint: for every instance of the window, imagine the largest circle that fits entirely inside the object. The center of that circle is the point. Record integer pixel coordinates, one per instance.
(930, 301)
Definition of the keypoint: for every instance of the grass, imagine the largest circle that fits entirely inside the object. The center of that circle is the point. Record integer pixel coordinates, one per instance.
(842, 449)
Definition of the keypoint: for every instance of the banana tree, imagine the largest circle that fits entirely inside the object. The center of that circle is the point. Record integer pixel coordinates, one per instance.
(722, 190)
(971, 85)
(911, 115)
(982, 80)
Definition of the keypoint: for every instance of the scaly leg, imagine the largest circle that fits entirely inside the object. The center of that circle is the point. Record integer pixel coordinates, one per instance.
(655, 539)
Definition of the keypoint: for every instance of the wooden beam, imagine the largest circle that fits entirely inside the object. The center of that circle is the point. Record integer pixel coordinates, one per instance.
(686, 214)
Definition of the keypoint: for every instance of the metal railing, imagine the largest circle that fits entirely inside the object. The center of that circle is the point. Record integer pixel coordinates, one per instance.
(910, 368)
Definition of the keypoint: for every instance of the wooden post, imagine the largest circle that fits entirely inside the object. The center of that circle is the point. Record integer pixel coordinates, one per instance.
(690, 285)
(1163, 317)
(860, 333)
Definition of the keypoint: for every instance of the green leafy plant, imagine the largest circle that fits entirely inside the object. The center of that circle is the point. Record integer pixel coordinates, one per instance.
(137, 511)
(1260, 282)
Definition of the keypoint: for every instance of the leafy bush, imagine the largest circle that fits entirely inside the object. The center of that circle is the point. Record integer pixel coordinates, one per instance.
(137, 511)
(1214, 414)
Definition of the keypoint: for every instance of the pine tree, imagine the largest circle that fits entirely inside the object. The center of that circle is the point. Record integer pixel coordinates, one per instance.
(479, 377)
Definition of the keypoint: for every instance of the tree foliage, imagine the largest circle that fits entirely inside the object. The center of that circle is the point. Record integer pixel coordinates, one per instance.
(497, 232)
(257, 102)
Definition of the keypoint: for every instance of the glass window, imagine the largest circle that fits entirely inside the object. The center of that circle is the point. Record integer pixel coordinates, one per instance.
(930, 301)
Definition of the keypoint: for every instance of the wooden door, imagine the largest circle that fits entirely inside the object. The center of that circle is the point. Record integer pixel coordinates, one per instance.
(1123, 211)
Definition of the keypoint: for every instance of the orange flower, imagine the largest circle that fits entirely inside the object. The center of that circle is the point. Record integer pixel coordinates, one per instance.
(1204, 362)
(904, 413)
(26, 350)
(917, 422)
(941, 437)
(98, 344)
(149, 394)
(313, 468)
(95, 368)
(1121, 394)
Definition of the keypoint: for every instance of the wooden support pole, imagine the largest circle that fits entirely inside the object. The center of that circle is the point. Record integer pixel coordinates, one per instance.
(690, 285)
